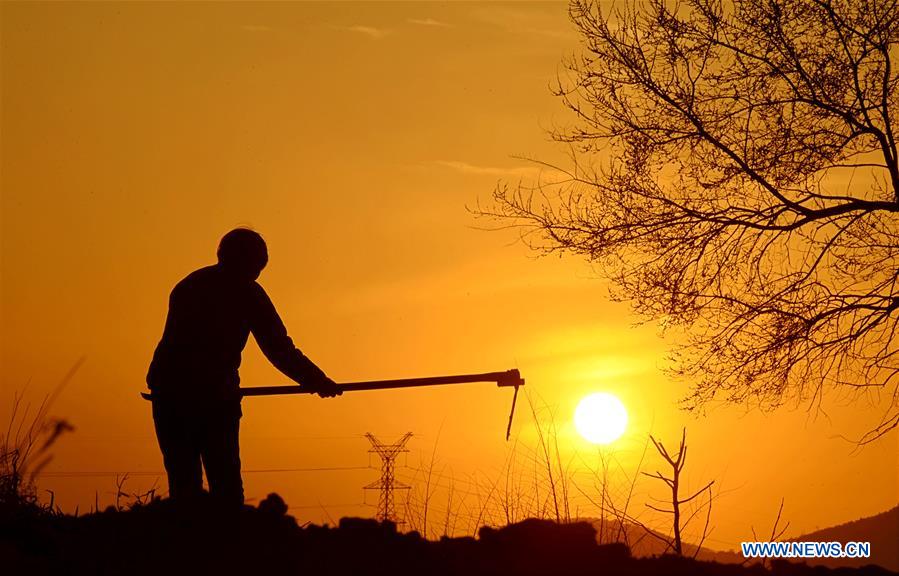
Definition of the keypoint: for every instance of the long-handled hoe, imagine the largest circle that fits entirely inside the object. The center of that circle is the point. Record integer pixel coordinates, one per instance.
(503, 379)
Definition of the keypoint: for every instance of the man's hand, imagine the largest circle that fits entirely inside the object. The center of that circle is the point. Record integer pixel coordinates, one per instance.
(324, 387)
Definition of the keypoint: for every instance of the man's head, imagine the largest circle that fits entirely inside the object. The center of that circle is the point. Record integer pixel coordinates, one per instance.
(243, 253)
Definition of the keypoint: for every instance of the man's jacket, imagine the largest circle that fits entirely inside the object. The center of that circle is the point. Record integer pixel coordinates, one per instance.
(211, 315)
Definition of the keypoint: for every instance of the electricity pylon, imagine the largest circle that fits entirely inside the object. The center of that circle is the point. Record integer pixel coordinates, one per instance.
(387, 484)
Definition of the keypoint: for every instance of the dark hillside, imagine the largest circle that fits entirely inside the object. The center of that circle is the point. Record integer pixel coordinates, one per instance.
(160, 541)
(881, 530)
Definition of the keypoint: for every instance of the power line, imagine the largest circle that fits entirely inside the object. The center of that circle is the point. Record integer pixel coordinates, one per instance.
(80, 474)
(321, 469)
(326, 506)
(95, 474)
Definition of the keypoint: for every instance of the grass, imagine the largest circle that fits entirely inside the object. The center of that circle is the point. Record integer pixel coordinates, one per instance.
(25, 450)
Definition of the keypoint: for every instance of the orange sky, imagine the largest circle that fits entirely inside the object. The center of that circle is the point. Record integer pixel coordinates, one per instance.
(353, 136)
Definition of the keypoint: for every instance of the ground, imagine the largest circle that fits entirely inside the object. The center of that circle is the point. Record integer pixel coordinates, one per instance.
(158, 539)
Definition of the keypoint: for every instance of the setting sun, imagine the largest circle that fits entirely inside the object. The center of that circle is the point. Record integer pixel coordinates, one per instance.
(600, 418)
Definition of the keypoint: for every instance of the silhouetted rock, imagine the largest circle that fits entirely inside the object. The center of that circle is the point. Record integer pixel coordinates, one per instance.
(273, 505)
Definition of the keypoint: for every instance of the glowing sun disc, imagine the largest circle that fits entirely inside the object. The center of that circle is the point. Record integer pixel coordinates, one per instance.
(600, 418)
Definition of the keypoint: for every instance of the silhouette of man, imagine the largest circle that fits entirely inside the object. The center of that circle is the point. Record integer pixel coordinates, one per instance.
(194, 372)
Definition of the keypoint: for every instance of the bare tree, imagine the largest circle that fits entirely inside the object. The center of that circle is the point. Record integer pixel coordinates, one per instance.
(775, 533)
(677, 464)
(735, 175)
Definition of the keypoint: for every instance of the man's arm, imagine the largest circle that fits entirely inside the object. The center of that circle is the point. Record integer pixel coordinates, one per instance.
(161, 362)
(271, 335)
